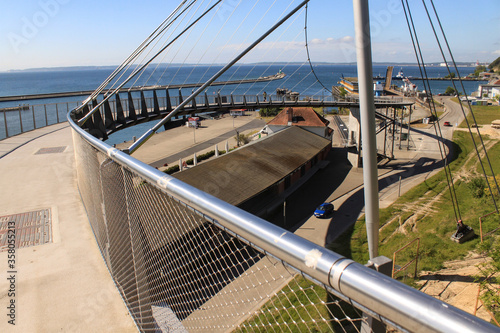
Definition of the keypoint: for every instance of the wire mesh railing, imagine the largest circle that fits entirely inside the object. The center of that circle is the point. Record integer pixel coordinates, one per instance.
(183, 260)
(24, 118)
(177, 269)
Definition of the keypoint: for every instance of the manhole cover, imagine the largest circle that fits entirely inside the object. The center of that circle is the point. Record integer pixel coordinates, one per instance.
(50, 150)
(30, 229)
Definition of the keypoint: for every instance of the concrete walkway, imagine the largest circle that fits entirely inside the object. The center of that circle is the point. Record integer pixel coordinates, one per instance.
(182, 142)
(63, 285)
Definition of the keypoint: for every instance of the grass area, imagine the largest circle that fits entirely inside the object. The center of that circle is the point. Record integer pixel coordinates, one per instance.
(439, 114)
(484, 115)
(494, 158)
(302, 306)
(433, 229)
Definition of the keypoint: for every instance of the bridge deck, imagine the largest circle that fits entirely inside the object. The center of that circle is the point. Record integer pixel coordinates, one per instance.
(105, 122)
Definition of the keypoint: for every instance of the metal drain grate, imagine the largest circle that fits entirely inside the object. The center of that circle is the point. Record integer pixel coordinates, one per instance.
(50, 150)
(31, 228)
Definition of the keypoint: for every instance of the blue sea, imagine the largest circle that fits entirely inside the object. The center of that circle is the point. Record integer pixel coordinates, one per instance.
(299, 78)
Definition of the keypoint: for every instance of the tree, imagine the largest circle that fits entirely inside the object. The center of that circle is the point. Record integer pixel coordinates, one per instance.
(242, 139)
(269, 112)
(495, 65)
(487, 278)
(450, 76)
(343, 92)
(450, 91)
(479, 70)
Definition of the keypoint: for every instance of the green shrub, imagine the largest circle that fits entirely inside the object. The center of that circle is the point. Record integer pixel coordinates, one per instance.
(269, 112)
(476, 186)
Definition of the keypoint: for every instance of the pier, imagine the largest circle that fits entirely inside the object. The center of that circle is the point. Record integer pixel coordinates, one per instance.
(277, 76)
(431, 78)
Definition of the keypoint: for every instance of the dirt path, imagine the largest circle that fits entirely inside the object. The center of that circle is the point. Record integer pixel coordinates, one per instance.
(455, 285)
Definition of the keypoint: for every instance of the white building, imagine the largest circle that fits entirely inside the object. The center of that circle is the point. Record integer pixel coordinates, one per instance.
(489, 90)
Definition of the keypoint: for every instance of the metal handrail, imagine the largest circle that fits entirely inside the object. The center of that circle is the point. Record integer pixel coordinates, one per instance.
(45, 118)
(408, 308)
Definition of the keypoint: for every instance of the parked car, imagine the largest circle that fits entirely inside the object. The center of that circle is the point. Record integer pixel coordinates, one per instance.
(324, 210)
(447, 123)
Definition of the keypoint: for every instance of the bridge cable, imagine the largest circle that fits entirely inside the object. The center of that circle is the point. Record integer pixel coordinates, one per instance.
(277, 56)
(88, 115)
(167, 118)
(468, 104)
(255, 26)
(157, 68)
(127, 63)
(437, 129)
(165, 53)
(309, 57)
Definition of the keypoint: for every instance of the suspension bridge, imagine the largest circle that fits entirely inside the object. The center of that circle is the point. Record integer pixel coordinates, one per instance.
(118, 115)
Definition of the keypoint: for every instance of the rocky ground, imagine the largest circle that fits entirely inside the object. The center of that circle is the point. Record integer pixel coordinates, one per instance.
(455, 284)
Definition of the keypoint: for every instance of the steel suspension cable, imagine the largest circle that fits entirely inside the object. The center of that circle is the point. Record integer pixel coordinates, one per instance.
(165, 70)
(270, 49)
(161, 33)
(309, 57)
(139, 49)
(156, 68)
(437, 129)
(180, 47)
(469, 105)
(86, 117)
(165, 53)
(254, 27)
(167, 118)
(215, 37)
(241, 23)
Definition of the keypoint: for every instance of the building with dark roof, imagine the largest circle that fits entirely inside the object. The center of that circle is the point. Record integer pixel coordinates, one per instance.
(253, 176)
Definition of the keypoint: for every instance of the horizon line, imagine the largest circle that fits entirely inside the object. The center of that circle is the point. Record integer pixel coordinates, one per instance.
(85, 67)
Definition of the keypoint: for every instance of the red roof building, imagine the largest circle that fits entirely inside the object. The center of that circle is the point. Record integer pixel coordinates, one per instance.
(304, 117)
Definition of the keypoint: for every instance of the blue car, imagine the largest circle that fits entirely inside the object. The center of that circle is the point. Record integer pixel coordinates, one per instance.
(324, 210)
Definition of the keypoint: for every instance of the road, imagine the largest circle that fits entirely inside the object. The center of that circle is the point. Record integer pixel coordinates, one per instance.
(410, 168)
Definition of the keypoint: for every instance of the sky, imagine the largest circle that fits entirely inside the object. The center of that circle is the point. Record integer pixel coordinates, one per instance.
(60, 33)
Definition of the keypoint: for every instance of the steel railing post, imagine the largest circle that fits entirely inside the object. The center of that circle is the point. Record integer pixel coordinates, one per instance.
(5, 122)
(20, 118)
(34, 118)
(46, 120)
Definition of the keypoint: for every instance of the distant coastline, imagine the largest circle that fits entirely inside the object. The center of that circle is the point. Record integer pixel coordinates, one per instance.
(111, 67)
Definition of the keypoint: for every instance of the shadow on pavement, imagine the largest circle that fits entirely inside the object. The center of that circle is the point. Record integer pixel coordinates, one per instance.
(347, 214)
(301, 204)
